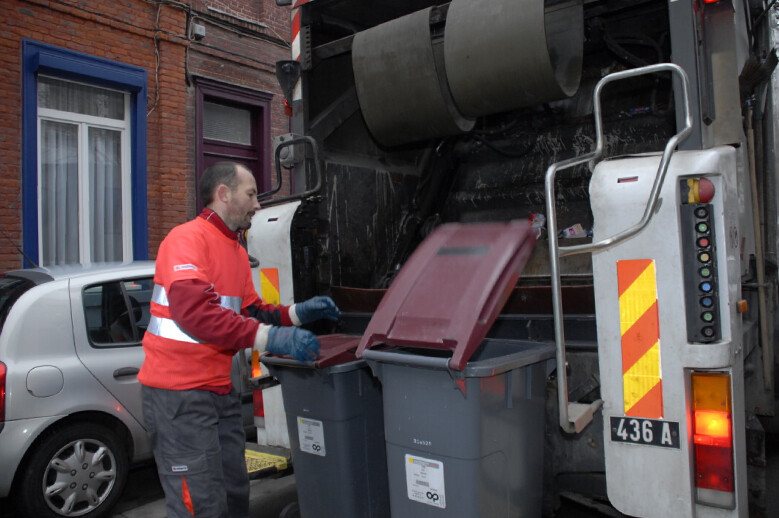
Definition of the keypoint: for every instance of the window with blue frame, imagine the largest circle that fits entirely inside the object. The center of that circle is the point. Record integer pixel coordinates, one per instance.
(84, 158)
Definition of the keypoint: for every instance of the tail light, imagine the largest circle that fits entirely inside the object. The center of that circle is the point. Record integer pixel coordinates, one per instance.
(3, 371)
(713, 439)
(259, 404)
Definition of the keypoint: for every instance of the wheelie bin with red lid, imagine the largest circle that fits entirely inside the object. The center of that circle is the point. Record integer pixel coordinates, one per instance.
(464, 415)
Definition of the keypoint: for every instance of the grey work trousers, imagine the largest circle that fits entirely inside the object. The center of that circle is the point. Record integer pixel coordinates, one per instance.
(199, 444)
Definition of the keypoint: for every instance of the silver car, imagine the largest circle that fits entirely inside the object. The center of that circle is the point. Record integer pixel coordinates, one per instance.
(71, 420)
(70, 403)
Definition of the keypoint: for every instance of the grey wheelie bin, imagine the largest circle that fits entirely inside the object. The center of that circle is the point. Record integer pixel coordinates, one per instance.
(464, 415)
(336, 430)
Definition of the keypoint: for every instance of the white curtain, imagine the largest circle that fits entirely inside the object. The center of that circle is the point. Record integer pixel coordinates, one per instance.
(59, 193)
(85, 115)
(67, 96)
(105, 186)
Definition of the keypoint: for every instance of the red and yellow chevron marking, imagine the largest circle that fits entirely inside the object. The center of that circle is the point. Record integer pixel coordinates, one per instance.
(269, 291)
(269, 285)
(642, 382)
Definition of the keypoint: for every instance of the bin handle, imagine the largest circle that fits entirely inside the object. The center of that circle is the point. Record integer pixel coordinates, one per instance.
(291, 362)
(407, 360)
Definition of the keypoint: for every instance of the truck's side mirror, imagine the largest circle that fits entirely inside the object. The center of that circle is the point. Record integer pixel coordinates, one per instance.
(293, 148)
(287, 74)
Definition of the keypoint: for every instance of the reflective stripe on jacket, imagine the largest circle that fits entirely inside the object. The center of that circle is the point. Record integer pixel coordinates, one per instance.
(168, 328)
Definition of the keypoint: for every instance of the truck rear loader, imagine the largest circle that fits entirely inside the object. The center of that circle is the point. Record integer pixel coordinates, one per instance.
(638, 137)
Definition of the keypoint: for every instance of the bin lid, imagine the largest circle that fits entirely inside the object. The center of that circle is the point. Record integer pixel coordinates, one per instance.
(452, 288)
(335, 349)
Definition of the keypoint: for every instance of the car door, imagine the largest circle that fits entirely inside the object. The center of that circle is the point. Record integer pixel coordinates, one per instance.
(110, 316)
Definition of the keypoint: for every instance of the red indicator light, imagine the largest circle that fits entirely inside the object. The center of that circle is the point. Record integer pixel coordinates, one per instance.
(705, 188)
(703, 242)
(697, 190)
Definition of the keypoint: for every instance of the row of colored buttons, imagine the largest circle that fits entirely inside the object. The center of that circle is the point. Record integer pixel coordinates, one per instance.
(704, 257)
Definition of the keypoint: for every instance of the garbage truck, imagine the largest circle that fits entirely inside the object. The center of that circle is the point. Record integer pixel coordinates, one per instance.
(637, 137)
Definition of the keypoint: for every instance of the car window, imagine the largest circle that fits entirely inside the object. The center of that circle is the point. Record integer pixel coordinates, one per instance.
(11, 288)
(117, 312)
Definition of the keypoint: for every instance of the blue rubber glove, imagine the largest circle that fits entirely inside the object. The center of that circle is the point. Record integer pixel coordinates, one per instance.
(316, 308)
(299, 343)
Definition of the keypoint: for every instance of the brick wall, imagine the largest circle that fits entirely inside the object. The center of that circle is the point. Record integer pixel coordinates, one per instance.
(244, 39)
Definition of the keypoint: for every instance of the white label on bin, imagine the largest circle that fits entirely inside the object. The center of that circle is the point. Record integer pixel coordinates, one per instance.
(425, 481)
(312, 436)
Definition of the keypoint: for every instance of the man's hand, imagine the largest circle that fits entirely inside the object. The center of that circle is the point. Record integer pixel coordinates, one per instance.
(299, 343)
(316, 308)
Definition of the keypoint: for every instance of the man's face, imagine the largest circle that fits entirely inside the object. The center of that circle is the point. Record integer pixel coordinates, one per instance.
(242, 202)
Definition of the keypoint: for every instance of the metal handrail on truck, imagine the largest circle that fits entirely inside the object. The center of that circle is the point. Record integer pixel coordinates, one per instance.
(575, 416)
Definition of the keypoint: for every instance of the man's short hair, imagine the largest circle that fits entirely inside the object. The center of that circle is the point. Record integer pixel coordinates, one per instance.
(216, 175)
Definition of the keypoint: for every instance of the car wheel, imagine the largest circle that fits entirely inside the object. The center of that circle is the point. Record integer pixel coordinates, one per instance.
(75, 470)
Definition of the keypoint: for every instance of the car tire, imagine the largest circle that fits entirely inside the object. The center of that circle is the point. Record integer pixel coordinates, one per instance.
(74, 470)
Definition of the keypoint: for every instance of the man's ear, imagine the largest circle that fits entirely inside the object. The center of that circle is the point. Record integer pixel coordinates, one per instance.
(223, 193)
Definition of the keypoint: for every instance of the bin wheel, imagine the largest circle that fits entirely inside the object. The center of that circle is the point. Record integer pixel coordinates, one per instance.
(291, 511)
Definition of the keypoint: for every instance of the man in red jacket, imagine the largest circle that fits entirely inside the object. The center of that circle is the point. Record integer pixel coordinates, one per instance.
(204, 309)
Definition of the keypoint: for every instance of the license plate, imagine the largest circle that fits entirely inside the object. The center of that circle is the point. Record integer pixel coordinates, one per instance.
(652, 432)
